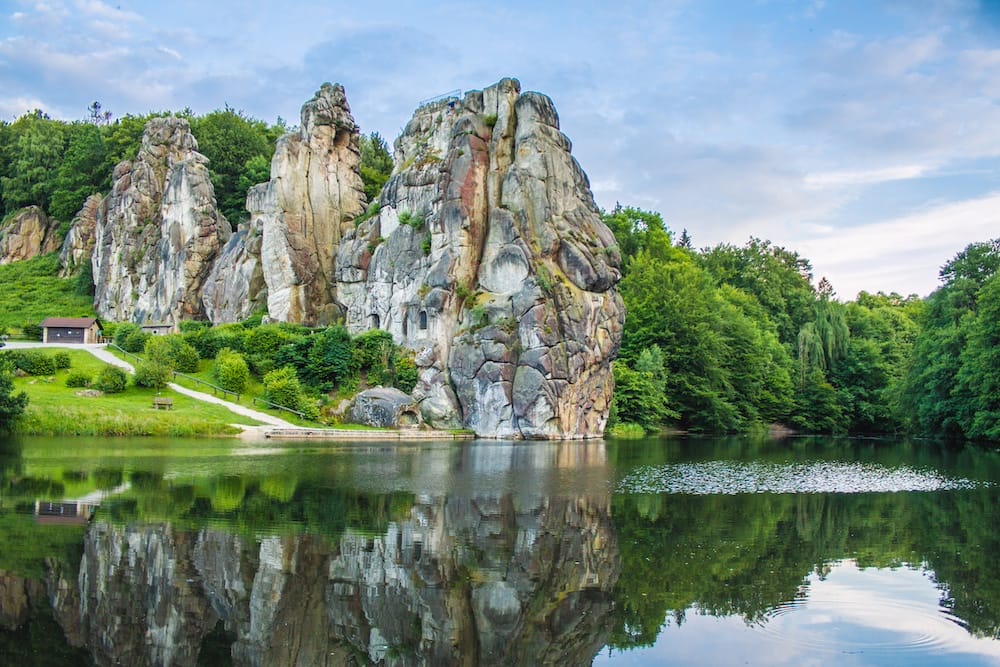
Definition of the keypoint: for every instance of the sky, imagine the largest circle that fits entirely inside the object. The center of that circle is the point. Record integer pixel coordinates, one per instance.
(863, 135)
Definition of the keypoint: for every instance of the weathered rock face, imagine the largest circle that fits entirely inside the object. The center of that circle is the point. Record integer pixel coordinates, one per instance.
(488, 257)
(158, 231)
(28, 233)
(304, 210)
(235, 288)
(78, 247)
(18, 596)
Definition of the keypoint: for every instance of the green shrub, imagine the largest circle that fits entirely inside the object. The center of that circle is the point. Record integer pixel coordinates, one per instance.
(627, 430)
(231, 336)
(61, 359)
(231, 371)
(192, 326)
(152, 375)
(266, 340)
(372, 348)
(186, 358)
(32, 362)
(130, 337)
(121, 331)
(111, 380)
(158, 350)
(204, 340)
(414, 220)
(406, 374)
(282, 387)
(261, 366)
(255, 320)
(109, 329)
(32, 331)
(330, 359)
(174, 351)
(78, 379)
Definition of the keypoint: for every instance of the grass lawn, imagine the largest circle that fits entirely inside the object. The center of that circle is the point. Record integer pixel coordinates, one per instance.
(55, 409)
(254, 389)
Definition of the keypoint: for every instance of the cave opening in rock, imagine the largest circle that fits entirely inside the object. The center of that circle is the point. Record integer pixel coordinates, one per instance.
(423, 320)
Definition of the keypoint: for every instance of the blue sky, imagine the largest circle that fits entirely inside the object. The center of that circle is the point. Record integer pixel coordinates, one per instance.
(864, 135)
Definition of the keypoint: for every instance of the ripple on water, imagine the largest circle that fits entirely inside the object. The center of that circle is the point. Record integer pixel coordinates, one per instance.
(840, 618)
(732, 477)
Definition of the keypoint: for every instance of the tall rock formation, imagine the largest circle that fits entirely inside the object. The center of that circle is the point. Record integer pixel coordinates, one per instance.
(235, 288)
(26, 234)
(159, 230)
(305, 209)
(486, 254)
(78, 247)
(489, 258)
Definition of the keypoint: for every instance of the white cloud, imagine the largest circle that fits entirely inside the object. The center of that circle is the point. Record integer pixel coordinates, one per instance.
(102, 10)
(901, 254)
(170, 52)
(13, 108)
(834, 179)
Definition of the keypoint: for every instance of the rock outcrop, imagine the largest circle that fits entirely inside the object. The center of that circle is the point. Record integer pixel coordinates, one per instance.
(26, 234)
(305, 209)
(485, 254)
(78, 247)
(384, 407)
(18, 598)
(159, 230)
(235, 288)
(489, 258)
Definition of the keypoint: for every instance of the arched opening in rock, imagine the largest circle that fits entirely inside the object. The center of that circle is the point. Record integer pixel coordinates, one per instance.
(408, 419)
(423, 320)
(375, 321)
(341, 138)
(404, 322)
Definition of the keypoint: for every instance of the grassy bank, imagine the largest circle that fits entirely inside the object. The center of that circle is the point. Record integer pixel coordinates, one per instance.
(206, 373)
(55, 409)
(33, 291)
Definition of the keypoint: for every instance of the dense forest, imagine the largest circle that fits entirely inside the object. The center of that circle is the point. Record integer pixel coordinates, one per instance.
(720, 339)
(728, 338)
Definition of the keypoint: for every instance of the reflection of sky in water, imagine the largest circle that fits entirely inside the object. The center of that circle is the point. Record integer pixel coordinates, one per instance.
(730, 477)
(851, 617)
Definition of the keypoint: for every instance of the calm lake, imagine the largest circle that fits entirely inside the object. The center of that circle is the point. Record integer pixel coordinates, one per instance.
(802, 551)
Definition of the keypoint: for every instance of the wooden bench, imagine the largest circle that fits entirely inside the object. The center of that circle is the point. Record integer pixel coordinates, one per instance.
(163, 403)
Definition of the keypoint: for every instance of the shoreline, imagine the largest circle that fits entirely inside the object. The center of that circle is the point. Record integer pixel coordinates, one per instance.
(260, 433)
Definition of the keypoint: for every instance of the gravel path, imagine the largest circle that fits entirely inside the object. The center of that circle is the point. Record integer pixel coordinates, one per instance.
(101, 353)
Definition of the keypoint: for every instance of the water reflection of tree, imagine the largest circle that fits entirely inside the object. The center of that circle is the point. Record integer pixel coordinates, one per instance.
(748, 554)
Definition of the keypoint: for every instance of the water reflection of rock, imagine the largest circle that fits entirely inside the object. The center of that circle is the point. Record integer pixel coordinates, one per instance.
(463, 580)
